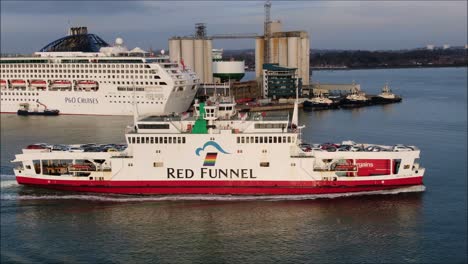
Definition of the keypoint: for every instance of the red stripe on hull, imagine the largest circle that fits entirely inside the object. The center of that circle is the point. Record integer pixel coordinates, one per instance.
(221, 187)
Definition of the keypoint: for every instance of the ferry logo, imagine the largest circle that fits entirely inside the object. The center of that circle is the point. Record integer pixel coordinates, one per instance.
(210, 158)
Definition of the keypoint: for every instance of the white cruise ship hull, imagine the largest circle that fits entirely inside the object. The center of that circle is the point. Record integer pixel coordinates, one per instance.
(98, 103)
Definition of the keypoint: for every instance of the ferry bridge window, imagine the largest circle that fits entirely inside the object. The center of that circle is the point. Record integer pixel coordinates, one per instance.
(37, 166)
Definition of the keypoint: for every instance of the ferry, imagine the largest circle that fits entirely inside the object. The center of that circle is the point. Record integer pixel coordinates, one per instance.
(81, 74)
(217, 150)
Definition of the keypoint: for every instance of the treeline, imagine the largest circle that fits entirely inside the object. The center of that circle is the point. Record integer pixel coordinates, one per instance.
(377, 59)
(369, 59)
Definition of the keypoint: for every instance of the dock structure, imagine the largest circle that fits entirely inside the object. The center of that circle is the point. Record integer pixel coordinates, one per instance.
(326, 88)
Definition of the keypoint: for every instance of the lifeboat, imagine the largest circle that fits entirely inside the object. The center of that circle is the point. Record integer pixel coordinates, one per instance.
(38, 84)
(18, 83)
(3, 84)
(61, 84)
(87, 85)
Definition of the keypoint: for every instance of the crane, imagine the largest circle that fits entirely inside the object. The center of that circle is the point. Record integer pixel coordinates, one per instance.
(267, 32)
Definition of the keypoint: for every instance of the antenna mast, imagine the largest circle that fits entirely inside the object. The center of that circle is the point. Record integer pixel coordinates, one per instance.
(267, 32)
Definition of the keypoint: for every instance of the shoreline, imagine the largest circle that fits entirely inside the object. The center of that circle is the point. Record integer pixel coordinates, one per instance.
(395, 67)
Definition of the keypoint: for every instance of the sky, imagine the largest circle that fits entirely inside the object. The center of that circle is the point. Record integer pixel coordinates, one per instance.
(27, 26)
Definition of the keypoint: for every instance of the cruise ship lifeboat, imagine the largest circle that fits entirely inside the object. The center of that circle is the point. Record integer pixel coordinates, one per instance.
(87, 85)
(61, 84)
(3, 84)
(38, 84)
(18, 83)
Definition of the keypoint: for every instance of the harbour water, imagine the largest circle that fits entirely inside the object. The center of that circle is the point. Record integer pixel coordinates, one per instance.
(415, 225)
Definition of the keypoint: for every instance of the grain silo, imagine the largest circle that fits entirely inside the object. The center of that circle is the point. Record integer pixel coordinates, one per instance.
(187, 52)
(199, 57)
(208, 69)
(292, 52)
(283, 51)
(174, 50)
(259, 53)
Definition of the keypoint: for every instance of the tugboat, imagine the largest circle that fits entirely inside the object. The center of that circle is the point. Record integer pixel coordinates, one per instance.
(356, 98)
(25, 110)
(386, 96)
(319, 102)
(221, 151)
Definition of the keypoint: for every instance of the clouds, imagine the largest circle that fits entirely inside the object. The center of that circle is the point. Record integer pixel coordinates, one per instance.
(28, 25)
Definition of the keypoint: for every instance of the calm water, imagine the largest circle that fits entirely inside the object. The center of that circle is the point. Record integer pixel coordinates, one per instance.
(430, 226)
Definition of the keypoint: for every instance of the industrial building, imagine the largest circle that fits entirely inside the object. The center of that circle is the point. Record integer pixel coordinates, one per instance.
(195, 53)
(288, 49)
(280, 82)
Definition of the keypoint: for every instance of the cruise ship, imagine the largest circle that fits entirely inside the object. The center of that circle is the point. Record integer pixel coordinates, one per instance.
(81, 74)
(218, 150)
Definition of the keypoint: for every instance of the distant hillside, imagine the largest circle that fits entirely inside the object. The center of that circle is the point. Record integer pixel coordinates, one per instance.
(389, 59)
(353, 59)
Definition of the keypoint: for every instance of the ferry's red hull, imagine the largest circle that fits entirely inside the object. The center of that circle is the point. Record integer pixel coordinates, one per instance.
(221, 187)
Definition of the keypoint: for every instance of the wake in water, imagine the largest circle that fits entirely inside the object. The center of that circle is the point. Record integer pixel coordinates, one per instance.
(125, 198)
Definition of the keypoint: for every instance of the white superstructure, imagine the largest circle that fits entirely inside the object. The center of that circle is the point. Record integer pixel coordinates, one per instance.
(97, 83)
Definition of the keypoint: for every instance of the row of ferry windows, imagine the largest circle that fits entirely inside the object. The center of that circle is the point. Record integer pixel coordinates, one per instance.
(61, 65)
(269, 139)
(156, 140)
(76, 71)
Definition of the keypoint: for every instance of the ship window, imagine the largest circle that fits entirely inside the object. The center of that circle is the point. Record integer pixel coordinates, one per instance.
(170, 140)
(284, 139)
(165, 140)
(279, 139)
(179, 140)
(156, 140)
(183, 140)
(289, 139)
(133, 140)
(275, 140)
(152, 140)
(153, 126)
(147, 140)
(138, 140)
(238, 140)
(162, 83)
(270, 140)
(261, 139)
(264, 164)
(242, 140)
(158, 164)
(396, 165)
(37, 166)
